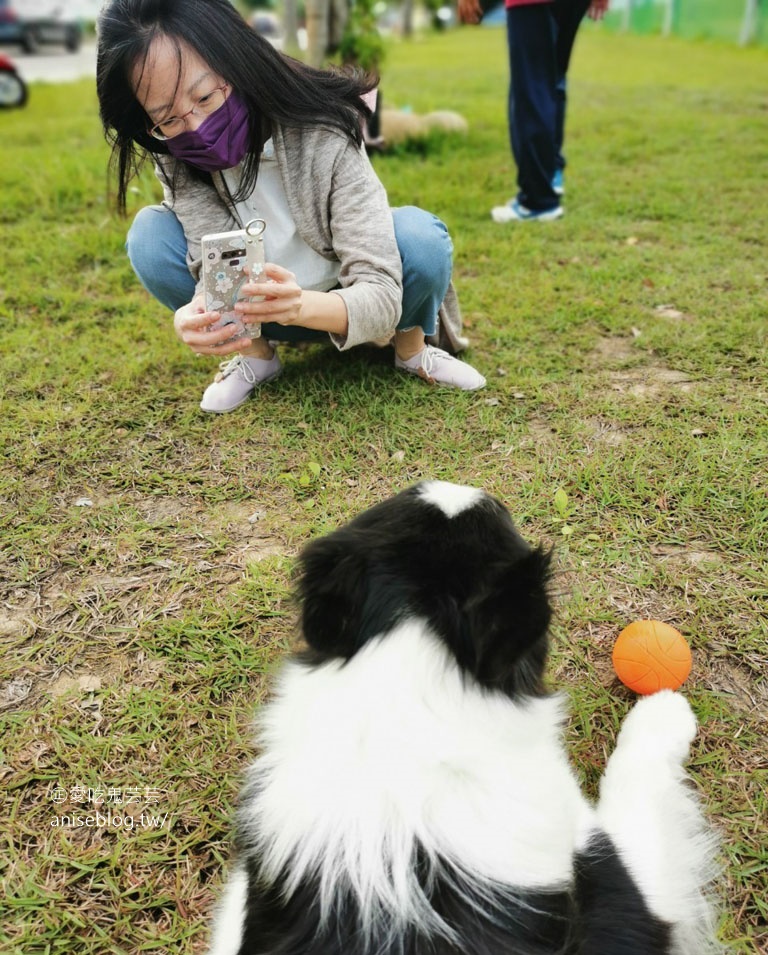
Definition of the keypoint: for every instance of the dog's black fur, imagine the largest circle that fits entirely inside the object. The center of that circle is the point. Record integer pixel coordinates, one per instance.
(472, 579)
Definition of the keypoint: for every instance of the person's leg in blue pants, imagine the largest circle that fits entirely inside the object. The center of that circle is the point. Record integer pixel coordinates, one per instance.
(157, 250)
(426, 251)
(540, 38)
(532, 39)
(568, 16)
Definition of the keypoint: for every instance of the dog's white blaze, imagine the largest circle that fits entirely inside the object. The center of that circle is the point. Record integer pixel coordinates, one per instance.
(452, 499)
(367, 758)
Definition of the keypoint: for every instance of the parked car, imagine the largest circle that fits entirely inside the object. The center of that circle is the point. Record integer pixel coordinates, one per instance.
(32, 23)
(13, 89)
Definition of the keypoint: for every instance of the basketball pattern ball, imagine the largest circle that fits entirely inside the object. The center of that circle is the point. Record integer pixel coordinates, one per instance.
(649, 656)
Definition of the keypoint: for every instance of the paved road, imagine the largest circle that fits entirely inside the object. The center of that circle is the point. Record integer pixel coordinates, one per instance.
(54, 64)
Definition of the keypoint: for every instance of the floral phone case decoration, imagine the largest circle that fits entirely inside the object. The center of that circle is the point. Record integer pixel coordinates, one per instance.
(225, 257)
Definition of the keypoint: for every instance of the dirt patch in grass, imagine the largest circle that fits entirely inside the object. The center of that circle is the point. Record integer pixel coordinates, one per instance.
(647, 378)
(651, 381)
(607, 433)
(745, 693)
(686, 554)
(72, 631)
(614, 349)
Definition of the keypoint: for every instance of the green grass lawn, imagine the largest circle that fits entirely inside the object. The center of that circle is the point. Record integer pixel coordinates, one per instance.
(148, 548)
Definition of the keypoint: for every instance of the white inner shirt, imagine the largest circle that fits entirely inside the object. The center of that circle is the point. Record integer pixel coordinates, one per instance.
(282, 243)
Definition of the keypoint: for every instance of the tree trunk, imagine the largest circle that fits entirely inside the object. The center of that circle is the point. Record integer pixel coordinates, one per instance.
(290, 26)
(317, 31)
(669, 24)
(749, 24)
(338, 14)
(408, 18)
(626, 23)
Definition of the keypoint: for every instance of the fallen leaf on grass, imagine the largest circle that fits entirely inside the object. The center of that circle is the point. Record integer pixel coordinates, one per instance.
(668, 311)
(15, 691)
(87, 683)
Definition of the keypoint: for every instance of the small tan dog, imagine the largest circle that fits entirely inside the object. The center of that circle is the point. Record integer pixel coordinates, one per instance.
(398, 126)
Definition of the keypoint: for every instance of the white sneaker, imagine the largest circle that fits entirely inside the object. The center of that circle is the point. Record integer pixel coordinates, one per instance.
(515, 211)
(237, 380)
(438, 367)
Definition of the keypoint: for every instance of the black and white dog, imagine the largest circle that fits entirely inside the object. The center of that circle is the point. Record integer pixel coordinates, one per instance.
(413, 795)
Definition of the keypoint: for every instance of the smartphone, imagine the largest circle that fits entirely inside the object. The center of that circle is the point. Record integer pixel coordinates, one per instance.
(225, 257)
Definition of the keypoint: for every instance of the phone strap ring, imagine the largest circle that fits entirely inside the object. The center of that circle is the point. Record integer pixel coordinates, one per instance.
(255, 228)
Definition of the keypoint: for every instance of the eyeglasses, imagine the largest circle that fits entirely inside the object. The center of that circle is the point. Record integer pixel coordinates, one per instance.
(204, 106)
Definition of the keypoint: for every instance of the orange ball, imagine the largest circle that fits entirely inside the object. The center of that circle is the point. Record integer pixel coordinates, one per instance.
(650, 655)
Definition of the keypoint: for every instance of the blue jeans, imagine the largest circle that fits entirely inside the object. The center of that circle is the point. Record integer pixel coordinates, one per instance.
(540, 38)
(157, 249)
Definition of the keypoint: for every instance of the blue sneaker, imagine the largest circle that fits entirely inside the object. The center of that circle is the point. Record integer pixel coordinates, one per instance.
(558, 182)
(515, 211)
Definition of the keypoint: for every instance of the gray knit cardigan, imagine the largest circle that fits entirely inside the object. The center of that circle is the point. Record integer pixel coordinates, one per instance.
(341, 211)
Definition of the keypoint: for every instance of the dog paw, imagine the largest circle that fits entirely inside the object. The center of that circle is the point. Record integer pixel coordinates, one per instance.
(661, 725)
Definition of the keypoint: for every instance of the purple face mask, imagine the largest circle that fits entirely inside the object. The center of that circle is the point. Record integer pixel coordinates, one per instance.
(219, 142)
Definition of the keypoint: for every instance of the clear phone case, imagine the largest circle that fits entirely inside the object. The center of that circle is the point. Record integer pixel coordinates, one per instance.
(225, 256)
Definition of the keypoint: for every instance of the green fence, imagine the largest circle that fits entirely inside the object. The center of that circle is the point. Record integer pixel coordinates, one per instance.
(737, 21)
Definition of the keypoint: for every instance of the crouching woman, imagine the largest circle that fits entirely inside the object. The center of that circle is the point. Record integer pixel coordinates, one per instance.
(237, 131)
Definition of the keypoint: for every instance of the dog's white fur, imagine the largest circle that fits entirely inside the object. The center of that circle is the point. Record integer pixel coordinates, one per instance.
(471, 775)
(452, 499)
(464, 772)
(650, 809)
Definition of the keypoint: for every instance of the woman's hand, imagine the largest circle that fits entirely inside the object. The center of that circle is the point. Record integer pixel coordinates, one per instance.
(192, 323)
(469, 11)
(282, 300)
(597, 9)
(279, 298)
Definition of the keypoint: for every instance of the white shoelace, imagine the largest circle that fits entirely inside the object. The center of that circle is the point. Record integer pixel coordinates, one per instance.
(430, 354)
(426, 358)
(229, 367)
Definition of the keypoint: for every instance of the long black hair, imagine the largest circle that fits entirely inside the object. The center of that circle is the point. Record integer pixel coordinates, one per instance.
(275, 87)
